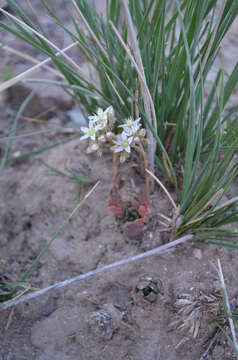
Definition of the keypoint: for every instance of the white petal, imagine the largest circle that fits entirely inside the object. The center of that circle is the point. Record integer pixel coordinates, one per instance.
(128, 149)
(117, 149)
(92, 117)
(84, 129)
(92, 122)
(110, 111)
(84, 137)
(116, 142)
(99, 111)
(124, 136)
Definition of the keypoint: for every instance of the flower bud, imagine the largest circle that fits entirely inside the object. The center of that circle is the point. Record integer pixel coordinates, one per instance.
(109, 135)
(94, 147)
(111, 112)
(142, 133)
(89, 150)
(111, 117)
(102, 139)
(136, 140)
(99, 152)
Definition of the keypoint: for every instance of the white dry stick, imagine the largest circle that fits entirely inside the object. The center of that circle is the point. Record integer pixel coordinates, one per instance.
(7, 84)
(148, 101)
(228, 307)
(79, 278)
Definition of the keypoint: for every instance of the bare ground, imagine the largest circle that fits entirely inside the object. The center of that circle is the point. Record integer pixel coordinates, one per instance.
(106, 317)
(64, 324)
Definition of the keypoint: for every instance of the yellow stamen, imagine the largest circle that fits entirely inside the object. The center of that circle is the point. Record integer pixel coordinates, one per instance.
(124, 144)
(91, 132)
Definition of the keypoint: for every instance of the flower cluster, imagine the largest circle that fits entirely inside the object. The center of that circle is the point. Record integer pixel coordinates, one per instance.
(100, 130)
(131, 135)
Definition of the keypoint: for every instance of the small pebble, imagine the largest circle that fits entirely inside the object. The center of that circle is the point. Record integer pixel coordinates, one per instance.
(16, 154)
(197, 253)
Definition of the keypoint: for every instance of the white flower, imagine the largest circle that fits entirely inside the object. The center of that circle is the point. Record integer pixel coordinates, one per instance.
(131, 127)
(90, 132)
(100, 119)
(122, 143)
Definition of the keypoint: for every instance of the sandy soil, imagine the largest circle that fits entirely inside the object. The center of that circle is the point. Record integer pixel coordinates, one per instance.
(107, 316)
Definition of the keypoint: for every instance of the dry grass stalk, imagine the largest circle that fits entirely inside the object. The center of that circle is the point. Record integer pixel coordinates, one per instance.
(148, 101)
(7, 84)
(31, 30)
(95, 39)
(228, 307)
(28, 58)
(164, 189)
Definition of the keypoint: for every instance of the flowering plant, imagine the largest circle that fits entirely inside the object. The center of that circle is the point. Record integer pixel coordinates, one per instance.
(122, 140)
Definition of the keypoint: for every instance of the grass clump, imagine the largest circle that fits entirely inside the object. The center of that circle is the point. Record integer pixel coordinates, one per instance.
(152, 59)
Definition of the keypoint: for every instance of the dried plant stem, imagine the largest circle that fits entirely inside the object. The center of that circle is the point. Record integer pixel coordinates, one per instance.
(146, 165)
(164, 188)
(165, 218)
(212, 342)
(93, 36)
(31, 30)
(147, 99)
(79, 278)
(28, 58)
(228, 307)
(227, 203)
(137, 114)
(115, 90)
(116, 172)
(7, 84)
